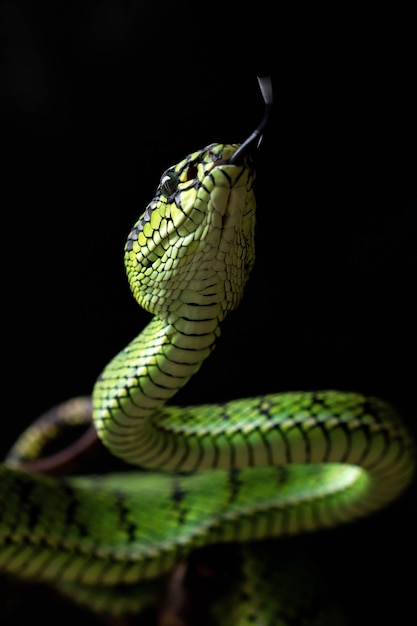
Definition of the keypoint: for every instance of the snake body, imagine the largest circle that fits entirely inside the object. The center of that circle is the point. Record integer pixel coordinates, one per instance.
(239, 471)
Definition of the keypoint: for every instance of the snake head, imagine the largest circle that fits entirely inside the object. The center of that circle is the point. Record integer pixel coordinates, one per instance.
(194, 243)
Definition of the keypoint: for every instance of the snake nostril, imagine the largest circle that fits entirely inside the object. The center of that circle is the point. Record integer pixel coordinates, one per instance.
(192, 172)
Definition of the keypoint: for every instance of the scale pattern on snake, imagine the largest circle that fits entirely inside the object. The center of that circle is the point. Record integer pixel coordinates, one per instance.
(239, 471)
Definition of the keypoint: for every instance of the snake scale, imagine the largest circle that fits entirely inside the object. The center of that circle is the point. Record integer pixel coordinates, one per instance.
(238, 471)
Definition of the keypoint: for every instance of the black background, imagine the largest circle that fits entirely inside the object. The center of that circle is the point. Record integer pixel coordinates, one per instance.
(100, 97)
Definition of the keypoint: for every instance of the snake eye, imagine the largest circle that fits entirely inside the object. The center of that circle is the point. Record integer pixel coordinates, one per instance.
(169, 183)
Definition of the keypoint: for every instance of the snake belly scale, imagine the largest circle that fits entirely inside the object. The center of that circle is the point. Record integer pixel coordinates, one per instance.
(243, 470)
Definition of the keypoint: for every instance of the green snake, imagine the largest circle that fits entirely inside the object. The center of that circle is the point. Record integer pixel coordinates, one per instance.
(239, 471)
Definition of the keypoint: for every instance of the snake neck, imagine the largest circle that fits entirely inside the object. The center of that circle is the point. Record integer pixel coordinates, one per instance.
(151, 369)
(130, 394)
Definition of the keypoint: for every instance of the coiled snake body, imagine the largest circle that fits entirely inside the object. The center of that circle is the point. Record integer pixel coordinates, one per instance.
(237, 471)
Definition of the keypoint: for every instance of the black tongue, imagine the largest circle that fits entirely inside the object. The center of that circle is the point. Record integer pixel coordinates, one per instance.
(255, 138)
